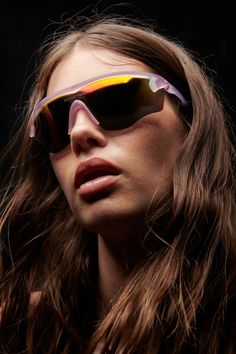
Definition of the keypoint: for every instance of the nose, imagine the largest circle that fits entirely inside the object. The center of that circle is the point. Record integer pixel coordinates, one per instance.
(85, 132)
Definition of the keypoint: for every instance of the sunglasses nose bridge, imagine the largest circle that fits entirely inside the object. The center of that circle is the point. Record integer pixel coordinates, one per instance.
(75, 107)
(83, 130)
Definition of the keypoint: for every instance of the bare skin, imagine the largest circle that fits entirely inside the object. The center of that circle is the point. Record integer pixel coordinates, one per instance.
(144, 154)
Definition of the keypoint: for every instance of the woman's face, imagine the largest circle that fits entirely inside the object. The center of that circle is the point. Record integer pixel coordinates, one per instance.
(110, 177)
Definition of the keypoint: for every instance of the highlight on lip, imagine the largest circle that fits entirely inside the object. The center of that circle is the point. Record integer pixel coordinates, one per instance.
(97, 185)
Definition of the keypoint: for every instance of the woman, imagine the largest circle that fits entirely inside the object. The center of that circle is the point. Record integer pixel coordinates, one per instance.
(119, 217)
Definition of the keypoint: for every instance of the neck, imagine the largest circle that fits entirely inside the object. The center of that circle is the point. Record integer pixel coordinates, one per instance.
(115, 262)
(112, 270)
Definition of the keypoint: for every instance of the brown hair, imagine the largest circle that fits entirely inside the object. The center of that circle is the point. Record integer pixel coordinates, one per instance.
(181, 298)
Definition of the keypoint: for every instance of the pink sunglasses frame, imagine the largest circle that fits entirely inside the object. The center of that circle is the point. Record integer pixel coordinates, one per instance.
(157, 82)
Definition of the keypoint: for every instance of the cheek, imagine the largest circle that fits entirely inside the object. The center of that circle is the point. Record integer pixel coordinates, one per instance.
(62, 169)
(155, 149)
(165, 143)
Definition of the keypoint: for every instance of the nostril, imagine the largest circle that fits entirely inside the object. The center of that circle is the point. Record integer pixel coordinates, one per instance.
(92, 142)
(84, 144)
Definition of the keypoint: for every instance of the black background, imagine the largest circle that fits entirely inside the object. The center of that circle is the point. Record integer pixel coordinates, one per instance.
(206, 28)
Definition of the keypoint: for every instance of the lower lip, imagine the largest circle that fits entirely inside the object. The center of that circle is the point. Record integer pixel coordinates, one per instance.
(97, 185)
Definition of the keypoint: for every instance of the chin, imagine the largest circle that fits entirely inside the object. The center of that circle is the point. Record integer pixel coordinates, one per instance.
(110, 215)
(117, 229)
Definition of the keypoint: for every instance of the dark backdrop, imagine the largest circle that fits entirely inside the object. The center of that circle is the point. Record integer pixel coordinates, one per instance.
(207, 28)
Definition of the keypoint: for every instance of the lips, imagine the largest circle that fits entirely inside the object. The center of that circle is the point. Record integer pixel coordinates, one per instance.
(92, 169)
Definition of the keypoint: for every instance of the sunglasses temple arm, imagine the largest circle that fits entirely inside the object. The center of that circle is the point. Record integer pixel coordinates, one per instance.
(172, 90)
(32, 130)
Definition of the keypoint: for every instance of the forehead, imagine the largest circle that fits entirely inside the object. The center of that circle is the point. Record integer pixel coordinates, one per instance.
(85, 63)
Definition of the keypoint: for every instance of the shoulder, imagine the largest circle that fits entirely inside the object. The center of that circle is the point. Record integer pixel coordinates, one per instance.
(33, 301)
(35, 297)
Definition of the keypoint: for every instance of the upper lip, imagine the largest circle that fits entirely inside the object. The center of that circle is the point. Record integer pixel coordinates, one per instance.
(93, 168)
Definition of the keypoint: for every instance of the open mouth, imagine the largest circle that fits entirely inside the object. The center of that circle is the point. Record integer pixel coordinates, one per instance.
(95, 176)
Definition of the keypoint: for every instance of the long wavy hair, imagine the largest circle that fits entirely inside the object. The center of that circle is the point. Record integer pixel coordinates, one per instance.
(181, 297)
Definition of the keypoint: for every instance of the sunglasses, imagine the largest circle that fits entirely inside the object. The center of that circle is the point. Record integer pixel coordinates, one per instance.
(113, 102)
